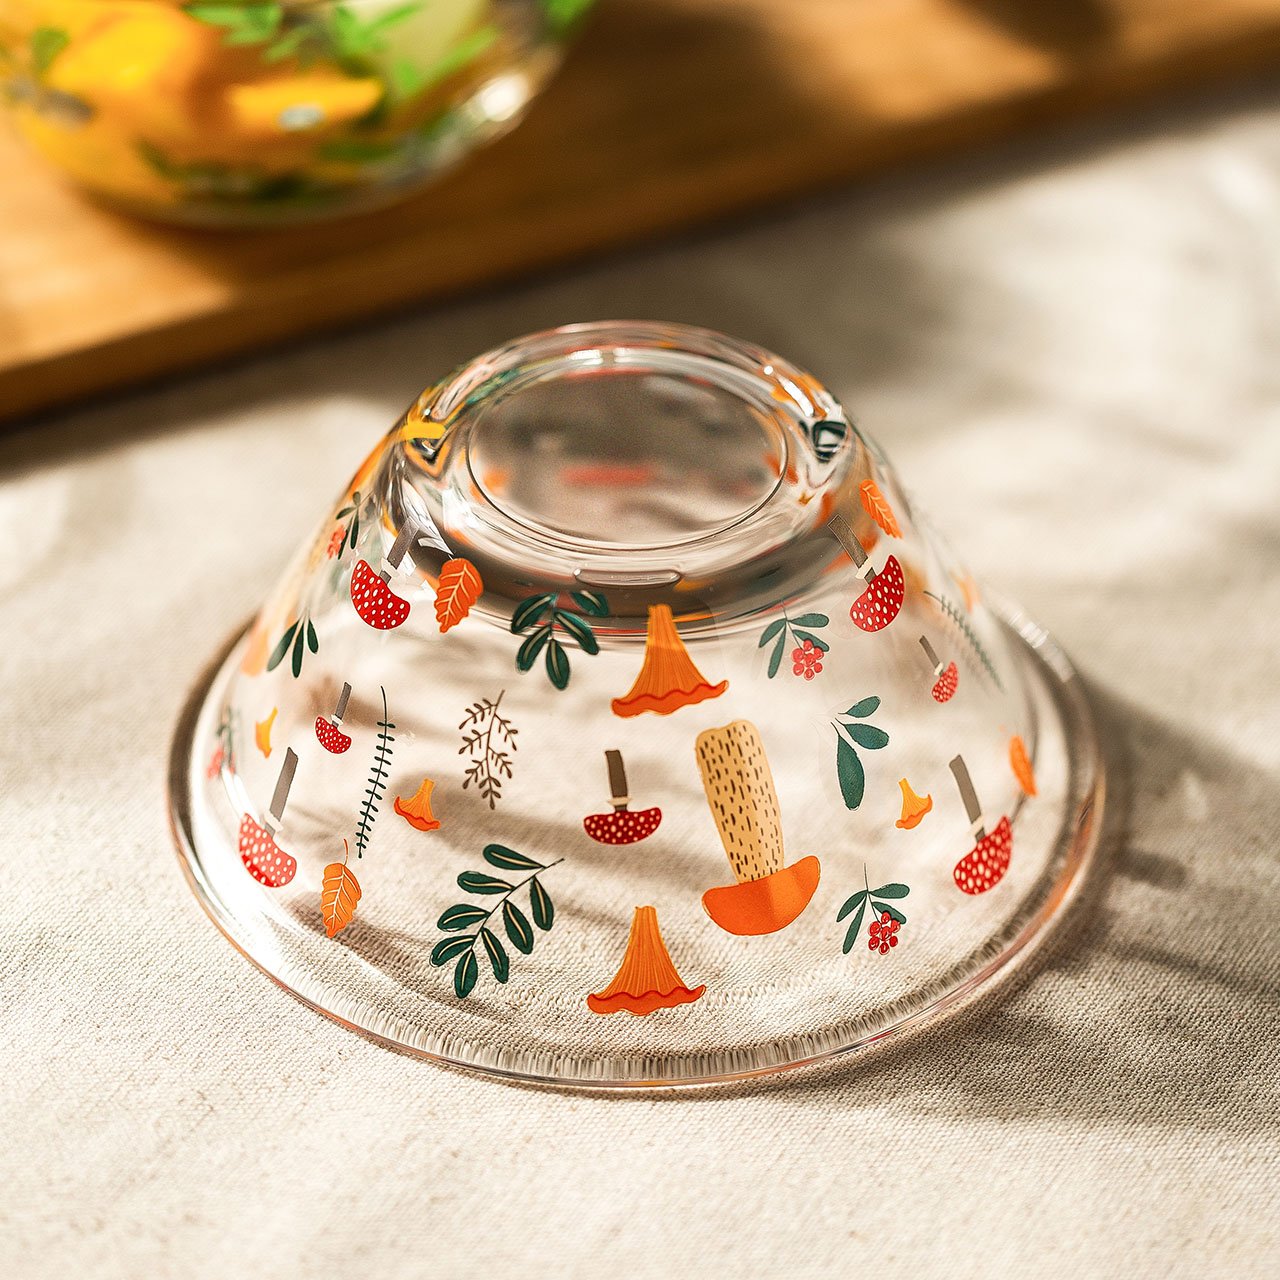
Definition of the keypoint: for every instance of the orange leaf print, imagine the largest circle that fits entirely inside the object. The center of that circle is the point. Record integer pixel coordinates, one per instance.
(460, 587)
(339, 893)
(1020, 763)
(878, 508)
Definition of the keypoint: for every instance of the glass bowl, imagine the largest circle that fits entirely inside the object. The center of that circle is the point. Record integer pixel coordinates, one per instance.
(624, 723)
(243, 113)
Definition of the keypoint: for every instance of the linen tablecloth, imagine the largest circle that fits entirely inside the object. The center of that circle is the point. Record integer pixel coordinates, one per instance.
(1070, 350)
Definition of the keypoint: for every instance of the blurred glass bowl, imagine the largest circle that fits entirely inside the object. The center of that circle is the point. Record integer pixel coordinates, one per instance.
(235, 113)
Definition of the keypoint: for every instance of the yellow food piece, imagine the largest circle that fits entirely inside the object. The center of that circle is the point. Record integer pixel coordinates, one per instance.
(310, 103)
(144, 66)
(97, 154)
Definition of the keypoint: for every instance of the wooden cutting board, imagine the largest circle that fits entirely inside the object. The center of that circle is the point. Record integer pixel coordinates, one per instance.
(668, 114)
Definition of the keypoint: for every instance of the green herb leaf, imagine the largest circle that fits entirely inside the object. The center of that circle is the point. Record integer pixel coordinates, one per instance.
(497, 955)
(578, 630)
(445, 950)
(463, 916)
(313, 640)
(528, 652)
(359, 150)
(891, 891)
(770, 631)
(864, 708)
(858, 897)
(855, 925)
(519, 930)
(498, 855)
(245, 23)
(775, 658)
(893, 911)
(544, 911)
(353, 37)
(528, 611)
(406, 78)
(299, 648)
(478, 882)
(868, 736)
(562, 14)
(557, 664)
(277, 654)
(810, 620)
(347, 34)
(816, 641)
(465, 975)
(217, 15)
(391, 17)
(46, 44)
(591, 602)
(853, 780)
(278, 51)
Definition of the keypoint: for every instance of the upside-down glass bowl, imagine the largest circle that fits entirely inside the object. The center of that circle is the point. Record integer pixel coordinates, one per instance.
(245, 112)
(622, 723)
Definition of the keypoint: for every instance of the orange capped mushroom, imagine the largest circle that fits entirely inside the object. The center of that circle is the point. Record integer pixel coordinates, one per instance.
(668, 678)
(739, 784)
(646, 980)
(416, 811)
(914, 807)
(262, 732)
(1020, 763)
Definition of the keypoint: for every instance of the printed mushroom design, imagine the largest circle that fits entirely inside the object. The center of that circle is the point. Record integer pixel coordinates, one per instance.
(946, 677)
(983, 867)
(914, 807)
(327, 727)
(622, 825)
(878, 605)
(739, 784)
(373, 599)
(668, 678)
(416, 811)
(265, 861)
(646, 980)
(1020, 763)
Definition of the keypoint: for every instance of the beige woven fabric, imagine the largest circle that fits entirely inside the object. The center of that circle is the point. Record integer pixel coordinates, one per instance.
(1071, 355)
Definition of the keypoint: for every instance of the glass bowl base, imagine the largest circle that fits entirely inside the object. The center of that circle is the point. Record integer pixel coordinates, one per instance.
(774, 1003)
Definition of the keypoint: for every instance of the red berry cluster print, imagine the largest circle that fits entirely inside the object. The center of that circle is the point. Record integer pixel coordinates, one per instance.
(883, 934)
(808, 649)
(806, 661)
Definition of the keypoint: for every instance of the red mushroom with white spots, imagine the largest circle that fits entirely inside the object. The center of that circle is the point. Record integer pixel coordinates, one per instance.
(879, 604)
(983, 867)
(623, 825)
(264, 860)
(328, 729)
(946, 677)
(374, 601)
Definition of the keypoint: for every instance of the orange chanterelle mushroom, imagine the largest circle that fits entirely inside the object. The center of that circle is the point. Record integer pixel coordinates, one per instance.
(668, 679)
(647, 980)
(416, 811)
